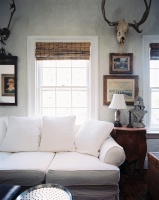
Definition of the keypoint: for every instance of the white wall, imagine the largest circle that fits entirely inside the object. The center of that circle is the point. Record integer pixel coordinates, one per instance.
(76, 18)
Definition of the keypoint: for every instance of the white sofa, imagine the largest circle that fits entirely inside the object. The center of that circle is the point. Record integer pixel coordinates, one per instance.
(54, 150)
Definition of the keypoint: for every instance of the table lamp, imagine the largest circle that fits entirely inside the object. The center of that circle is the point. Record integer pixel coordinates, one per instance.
(117, 103)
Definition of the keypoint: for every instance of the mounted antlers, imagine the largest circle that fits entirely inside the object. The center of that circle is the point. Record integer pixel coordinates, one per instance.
(122, 27)
(5, 32)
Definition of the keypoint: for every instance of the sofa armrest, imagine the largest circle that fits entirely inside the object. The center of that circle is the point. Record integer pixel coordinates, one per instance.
(111, 152)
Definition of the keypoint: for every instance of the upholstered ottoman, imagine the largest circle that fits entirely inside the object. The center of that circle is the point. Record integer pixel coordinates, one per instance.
(153, 174)
(8, 192)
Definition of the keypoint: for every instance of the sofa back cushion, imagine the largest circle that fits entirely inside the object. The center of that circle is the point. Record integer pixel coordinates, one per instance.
(23, 134)
(3, 128)
(58, 134)
(91, 135)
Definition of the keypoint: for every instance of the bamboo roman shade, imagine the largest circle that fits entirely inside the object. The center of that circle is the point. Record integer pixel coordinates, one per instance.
(62, 51)
(154, 51)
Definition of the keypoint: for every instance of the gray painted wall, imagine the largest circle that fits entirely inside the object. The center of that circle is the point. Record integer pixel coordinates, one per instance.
(76, 18)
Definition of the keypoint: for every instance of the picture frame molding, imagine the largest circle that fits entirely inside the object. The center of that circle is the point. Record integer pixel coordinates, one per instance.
(8, 64)
(120, 85)
(118, 56)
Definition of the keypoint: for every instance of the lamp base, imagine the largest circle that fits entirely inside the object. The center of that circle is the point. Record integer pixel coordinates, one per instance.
(117, 124)
(129, 126)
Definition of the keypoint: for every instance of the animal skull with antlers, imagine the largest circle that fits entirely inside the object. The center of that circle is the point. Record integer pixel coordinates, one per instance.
(5, 32)
(122, 27)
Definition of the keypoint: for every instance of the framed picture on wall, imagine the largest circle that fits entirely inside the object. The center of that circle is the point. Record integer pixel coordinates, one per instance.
(126, 85)
(121, 63)
(8, 84)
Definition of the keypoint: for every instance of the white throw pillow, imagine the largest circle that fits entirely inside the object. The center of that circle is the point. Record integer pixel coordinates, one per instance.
(23, 134)
(91, 135)
(3, 128)
(58, 134)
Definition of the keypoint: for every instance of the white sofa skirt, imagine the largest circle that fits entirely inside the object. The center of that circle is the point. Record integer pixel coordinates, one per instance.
(94, 192)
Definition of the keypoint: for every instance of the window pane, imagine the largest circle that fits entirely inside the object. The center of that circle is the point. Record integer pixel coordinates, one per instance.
(155, 118)
(63, 63)
(80, 113)
(79, 98)
(79, 76)
(48, 98)
(48, 63)
(154, 64)
(60, 112)
(63, 98)
(48, 76)
(155, 99)
(154, 77)
(80, 63)
(48, 112)
(64, 76)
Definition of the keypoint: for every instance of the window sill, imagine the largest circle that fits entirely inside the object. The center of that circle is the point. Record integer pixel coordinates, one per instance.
(152, 135)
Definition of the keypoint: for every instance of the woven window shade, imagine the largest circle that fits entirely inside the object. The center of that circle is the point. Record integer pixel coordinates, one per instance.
(154, 51)
(62, 51)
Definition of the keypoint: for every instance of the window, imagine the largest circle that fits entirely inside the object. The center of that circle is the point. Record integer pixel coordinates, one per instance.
(63, 88)
(60, 87)
(151, 81)
(154, 84)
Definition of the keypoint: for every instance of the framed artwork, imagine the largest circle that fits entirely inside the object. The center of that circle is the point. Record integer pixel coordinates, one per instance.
(8, 79)
(127, 85)
(8, 84)
(120, 63)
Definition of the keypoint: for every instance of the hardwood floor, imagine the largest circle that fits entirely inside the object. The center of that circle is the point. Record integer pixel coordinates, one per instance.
(134, 187)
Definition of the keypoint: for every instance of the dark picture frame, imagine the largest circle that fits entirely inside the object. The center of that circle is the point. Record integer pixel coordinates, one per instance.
(121, 63)
(127, 85)
(8, 76)
(8, 84)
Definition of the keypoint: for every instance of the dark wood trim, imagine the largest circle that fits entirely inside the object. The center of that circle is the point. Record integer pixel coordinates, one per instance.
(152, 135)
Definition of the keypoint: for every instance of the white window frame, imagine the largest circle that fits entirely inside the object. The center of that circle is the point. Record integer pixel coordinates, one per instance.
(147, 39)
(32, 79)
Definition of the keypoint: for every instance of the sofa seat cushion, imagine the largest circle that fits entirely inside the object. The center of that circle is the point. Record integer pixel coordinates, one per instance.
(25, 168)
(4, 155)
(73, 168)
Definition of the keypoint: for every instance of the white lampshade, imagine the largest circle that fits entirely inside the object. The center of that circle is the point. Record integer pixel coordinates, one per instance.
(118, 102)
